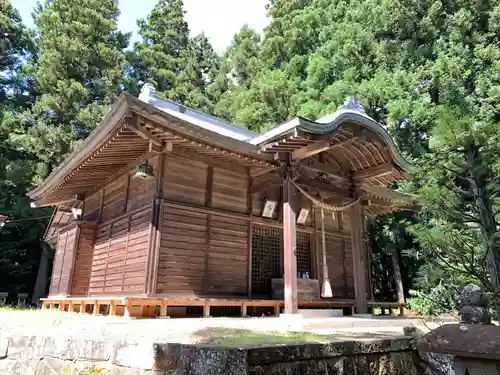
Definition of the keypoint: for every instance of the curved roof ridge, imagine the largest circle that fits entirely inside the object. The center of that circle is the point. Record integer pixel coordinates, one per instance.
(351, 110)
(217, 125)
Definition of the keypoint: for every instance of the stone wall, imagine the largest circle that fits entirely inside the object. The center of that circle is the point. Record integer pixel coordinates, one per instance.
(52, 355)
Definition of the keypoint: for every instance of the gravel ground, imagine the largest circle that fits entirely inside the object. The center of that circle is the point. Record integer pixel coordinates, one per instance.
(194, 330)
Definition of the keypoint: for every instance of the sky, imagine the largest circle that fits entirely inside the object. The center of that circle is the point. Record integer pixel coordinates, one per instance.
(219, 19)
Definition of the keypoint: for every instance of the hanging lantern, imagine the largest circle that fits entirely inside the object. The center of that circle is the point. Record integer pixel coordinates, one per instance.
(144, 171)
(3, 220)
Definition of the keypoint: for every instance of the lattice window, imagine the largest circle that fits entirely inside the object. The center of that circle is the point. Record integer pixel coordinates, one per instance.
(266, 258)
(303, 253)
(267, 253)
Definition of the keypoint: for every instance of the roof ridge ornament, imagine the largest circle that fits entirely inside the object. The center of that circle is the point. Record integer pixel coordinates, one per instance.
(148, 93)
(352, 103)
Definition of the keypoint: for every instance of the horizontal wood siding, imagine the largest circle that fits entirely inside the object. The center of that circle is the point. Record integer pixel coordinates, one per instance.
(92, 206)
(340, 266)
(227, 256)
(114, 199)
(229, 192)
(331, 220)
(349, 269)
(120, 255)
(185, 181)
(183, 245)
(336, 261)
(83, 262)
(141, 192)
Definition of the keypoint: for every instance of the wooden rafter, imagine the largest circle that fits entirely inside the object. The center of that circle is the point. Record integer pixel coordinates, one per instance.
(324, 187)
(319, 146)
(327, 169)
(264, 171)
(375, 171)
(133, 124)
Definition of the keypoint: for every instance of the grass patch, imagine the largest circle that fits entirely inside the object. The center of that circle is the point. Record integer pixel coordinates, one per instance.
(243, 337)
(17, 308)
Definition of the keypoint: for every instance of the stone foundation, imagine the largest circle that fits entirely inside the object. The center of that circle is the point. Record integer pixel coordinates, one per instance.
(53, 355)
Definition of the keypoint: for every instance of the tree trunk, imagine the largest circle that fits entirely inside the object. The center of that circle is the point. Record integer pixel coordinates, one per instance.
(478, 177)
(397, 275)
(43, 275)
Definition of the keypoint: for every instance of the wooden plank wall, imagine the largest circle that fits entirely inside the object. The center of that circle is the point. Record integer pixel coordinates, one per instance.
(63, 262)
(227, 255)
(138, 192)
(83, 261)
(202, 250)
(229, 192)
(92, 207)
(120, 254)
(114, 198)
(185, 181)
(183, 245)
(204, 234)
(338, 252)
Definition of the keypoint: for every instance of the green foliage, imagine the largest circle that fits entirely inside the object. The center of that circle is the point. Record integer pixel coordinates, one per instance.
(439, 300)
(428, 71)
(181, 68)
(20, 242)
(78, 72)
(159, 57)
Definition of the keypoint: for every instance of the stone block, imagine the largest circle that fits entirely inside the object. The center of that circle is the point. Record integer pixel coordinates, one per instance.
(22, 347)
(4, 347)
(473, 295)
(134, 355)
(201, 360)
(55, 366)
(317, 367)
(321, 313)
(463, 340)
(70, 349)
(363, 316)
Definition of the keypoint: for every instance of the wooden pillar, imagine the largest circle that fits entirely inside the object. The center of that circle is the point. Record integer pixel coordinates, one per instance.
(112, 308)
(358, 261)
(250, 234)
(244, 309)
(206, 310)
(126, 311)
(164, 310)
(277, 310)
(289, 246)
(96, 308)
(82, 307)
(155, 228)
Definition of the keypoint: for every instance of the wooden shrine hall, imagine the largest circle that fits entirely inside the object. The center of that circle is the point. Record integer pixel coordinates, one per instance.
(164, 210)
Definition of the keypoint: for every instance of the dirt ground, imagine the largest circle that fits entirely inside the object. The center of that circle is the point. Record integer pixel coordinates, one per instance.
(222, 331)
